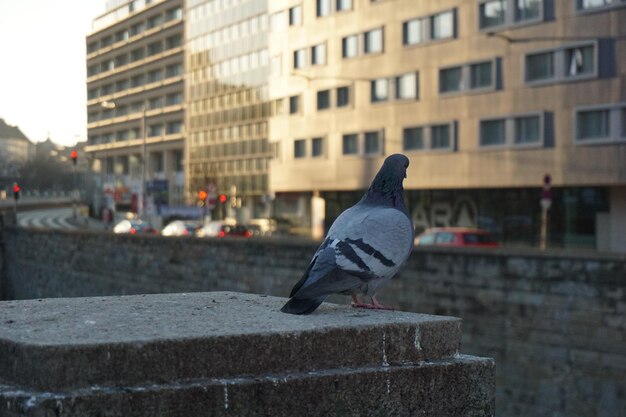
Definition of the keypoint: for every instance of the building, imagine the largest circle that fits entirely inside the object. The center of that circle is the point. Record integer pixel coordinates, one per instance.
(227, 104)
(486, 97)
(15, 151)
(135, 88)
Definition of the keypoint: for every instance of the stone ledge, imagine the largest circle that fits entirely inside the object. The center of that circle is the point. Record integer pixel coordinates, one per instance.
(462, 386)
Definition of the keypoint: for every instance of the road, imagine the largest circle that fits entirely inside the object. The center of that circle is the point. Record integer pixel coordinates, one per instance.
(50, 218)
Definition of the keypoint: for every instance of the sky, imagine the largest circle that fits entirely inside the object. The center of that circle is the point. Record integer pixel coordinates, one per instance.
(43, 67)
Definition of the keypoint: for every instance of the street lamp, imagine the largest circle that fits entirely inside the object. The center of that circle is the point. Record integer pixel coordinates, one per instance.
(142, 194)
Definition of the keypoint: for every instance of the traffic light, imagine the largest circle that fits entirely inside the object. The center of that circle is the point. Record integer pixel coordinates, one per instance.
(223, 198)
(202, 195)
(74, 156)
(16, 191)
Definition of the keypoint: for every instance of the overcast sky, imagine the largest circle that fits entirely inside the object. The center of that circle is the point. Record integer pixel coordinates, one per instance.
(42, 66)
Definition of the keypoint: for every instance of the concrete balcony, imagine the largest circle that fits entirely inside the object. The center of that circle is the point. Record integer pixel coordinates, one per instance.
(225, 353)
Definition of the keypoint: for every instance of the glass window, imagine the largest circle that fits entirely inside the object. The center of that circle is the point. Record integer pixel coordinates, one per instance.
(275, 66)
(593, 124)
(299, 58)
(406, 86)
(492, 13)
(442, 25)
(350, 46)
(624, 123)
(440, 137)
(492, 132)
(527, 9)
(278, 21)
(450, 79)
(413, 138)
(295, 16)
(579, 61)
(481, 75)
(344, 5)
(323, 99)
(540, 66)
(373, 41)
(318, 54)
(593, 4)
(372, 143)
(317, 147)
(380, 90)
(174, 127)
(413, 32)
(527, 129)
(343, 96)
(350, 144)
(293, 104)
(323, 8)
(299, 148)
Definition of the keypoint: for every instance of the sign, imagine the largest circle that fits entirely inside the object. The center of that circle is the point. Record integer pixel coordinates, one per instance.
(157, 186)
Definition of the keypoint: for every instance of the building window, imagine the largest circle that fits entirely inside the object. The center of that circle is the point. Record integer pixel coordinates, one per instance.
(299, 58)
(540, 66)
(380, 90)
(595, 5)
(293, 104)
(343, 5)
(318, 54)
(350, 46)
(442, 25)
(323, 99)
(413, 32)
(562, 64)
(522, 130)
(407, 86)
(276, 66)
(440, 137)
(527, 130)
(468, 77)
(278, 21)
(492, 132)
(350, 144)
(174, 127)
(323, 8)
(413, 138)
(373, 41)
(299, 148)
(343, 96)
(317, 147)
(503, 13)
(593, 124)
(295, 16)
(372, 143)
(450, 80)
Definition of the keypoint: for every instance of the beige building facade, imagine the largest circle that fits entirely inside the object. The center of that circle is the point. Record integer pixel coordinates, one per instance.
(135, 84)
(485, 97)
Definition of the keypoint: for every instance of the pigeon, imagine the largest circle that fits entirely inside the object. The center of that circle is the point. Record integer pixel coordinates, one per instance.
(364, 248)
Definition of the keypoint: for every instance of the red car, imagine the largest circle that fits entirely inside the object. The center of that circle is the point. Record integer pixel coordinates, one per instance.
(456, 236)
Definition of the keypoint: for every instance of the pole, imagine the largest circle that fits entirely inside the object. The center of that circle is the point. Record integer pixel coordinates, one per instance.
(142, 197)
(75, 192)
(544, 227)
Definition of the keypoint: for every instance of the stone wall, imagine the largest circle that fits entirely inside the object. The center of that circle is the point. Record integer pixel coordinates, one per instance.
(554, 321)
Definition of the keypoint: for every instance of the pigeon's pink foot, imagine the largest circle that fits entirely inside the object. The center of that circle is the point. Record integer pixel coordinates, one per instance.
(374, 306)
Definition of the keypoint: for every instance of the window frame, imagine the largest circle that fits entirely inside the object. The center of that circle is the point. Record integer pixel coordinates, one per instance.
(509, 17)
(426, 23)
(466, 78)
(617, 124)
(327, 91)
(427, 135)
(510, 132)
(560, 64)
(365, 34)
(304, 149)
(392, 88)
(598, 9)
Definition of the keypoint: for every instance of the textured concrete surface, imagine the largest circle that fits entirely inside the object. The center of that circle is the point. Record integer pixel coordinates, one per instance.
(230, 353)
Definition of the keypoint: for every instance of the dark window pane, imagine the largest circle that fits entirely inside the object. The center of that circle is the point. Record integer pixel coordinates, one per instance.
(593, 124)
(440, 137)
(372, 142)
(481, 75)
(350, 144)
(317, 147)
(323, 99)
(527, 129)
(450, 80)
(299, 148)
(492, 132)
(413, 138)
(492, 13)
(540, 66)
(343, 96)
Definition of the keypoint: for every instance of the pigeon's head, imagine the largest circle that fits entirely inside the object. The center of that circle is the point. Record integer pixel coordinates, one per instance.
(392, 173)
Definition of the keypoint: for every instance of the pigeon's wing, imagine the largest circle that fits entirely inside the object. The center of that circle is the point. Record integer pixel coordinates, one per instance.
(362, 244)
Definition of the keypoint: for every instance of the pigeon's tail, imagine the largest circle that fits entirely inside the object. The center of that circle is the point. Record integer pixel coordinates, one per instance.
(302, 305)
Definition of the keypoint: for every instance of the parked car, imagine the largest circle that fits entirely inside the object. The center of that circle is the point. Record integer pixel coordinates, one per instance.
(134, 227)
(456, 236)
(213, 228)
(238, 230)
(180, 228)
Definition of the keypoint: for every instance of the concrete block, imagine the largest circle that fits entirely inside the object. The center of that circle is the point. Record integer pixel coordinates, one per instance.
(231, 353)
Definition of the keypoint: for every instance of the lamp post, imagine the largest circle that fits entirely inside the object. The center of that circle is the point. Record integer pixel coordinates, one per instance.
(142, 192)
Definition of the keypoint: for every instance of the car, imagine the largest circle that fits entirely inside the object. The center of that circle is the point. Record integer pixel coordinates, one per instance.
(456, 236)
(180, 228)
(134, 227)
(214, 227)
(237, 230)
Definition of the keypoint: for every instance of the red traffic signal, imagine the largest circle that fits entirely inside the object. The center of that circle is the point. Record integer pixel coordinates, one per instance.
(74, 156)
(16, 191)
(223, 198)
(202, 195)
